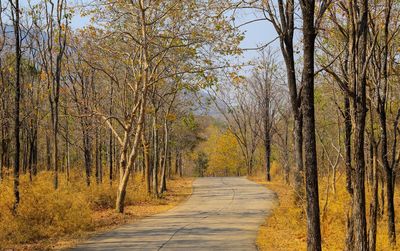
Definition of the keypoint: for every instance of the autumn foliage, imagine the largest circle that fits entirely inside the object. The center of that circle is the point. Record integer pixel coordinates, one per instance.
(333, 219)
(47, 216)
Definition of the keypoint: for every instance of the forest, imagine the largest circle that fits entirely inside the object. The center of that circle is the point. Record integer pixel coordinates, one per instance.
(108, 122)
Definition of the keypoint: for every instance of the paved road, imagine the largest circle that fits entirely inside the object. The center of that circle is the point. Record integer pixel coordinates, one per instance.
(222, 214)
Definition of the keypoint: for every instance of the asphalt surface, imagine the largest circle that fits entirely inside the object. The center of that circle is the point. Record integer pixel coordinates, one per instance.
(221, 214)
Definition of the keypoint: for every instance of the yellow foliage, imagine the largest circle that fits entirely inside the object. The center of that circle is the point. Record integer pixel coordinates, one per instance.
(224, 156)
(289, 221)
(46, 216)
(43, 212)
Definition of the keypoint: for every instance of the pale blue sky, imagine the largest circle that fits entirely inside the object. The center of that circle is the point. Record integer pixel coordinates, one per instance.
(256, 34)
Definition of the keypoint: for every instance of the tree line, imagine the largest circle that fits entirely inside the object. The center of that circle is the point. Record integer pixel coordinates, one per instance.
(112, 98)
(341, 58)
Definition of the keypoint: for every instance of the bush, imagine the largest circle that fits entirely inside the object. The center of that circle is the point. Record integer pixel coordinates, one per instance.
(43, 212)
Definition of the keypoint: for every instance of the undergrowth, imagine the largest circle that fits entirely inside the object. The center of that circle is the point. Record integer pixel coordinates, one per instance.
(289, 221)
(45, 215)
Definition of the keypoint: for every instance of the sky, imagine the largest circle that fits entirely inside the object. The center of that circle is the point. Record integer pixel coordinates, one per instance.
(256, 34)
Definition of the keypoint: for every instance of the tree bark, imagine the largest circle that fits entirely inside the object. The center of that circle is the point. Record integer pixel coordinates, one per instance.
(155, 157)
(311, 170)
(285, 28)
(163, 185)
(146, 161)
(17, 98)
(359, 47)
(87, 152)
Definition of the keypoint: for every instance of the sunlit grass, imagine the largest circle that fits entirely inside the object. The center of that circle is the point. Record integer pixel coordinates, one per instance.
(285, 229)
(48, 218)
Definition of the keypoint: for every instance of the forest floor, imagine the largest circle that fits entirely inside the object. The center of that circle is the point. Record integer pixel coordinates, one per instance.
(101, 218)
(290, 221)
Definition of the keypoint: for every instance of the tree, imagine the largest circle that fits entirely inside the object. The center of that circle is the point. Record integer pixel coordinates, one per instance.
(358, 54)
(311, 170)
(283, 22)
(51, 42)
(201, 164)
(263, 88)
(17, 99)
(240, 112)
(382, 65)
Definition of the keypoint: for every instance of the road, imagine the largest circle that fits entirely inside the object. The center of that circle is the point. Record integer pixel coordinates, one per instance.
(221, 214)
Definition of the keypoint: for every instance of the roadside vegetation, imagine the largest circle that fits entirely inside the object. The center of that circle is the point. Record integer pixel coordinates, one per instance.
(333, 224)
(53, 219)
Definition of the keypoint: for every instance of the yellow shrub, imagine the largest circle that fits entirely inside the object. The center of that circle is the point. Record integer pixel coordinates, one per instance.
(289, 221)
(43, 212)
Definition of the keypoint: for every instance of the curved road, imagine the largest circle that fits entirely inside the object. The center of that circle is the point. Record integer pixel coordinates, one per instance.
(222, 214)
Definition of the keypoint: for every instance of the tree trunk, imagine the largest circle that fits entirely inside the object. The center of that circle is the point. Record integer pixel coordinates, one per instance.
(311, 171)
(163, 186)
(360, 228)
(87, 152)
(381, 108)
(146, 161)
(268, 155)
(67, 135)
(374, 182)
(180, 165)
(48, 153)
(176, 161)
(286, 12)
(358, 47)
(155, 157)
(375, 201)
(16, 24)
(349, 187)
(286, 154)
(389, 174)
(298, 174)
(347, 143)
(97, 157)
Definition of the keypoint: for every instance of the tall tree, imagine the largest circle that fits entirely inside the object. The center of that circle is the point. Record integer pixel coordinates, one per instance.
(282, 18)
(263, 87)
(311, 171)
(382, 61)
(17, 99)
(358, 35)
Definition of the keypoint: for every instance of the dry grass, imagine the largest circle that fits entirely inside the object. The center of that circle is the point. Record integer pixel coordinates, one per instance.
(49, 219)
(285, 228)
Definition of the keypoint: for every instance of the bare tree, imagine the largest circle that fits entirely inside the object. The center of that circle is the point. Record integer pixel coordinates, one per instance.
(282, 18)
(240, 111)
(263, 87)
(15, 14)
(381, 68)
